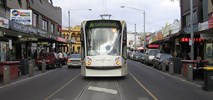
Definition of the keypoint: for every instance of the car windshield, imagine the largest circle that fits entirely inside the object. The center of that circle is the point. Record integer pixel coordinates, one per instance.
(103, 41)
(153, 52)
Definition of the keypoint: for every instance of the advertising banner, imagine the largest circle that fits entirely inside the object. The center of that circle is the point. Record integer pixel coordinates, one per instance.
(21, 16)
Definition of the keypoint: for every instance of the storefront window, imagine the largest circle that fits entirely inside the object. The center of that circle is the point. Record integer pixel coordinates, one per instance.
(209, 52)
(3, 51)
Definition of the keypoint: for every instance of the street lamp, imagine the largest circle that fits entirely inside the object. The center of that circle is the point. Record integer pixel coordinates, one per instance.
(69, 20)
(191, 33)
(142, 11)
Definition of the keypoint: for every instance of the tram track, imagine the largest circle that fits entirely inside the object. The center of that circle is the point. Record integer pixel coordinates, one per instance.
(107, 88)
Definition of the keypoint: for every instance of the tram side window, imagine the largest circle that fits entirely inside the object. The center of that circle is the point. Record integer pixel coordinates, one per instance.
(124, 51)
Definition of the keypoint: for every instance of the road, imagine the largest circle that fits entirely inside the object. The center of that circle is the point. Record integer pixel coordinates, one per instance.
(141, 83)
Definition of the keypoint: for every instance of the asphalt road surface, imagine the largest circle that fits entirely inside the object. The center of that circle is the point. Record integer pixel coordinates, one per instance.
(141, 83)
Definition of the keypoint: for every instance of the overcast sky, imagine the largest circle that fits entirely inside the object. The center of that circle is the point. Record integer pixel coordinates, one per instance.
(158, 12)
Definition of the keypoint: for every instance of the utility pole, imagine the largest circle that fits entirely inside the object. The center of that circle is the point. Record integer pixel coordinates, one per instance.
(135, 36)
(69, 35)
(144, 30)
(191, 28)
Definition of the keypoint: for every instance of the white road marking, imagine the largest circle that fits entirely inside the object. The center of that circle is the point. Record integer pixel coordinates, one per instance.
(100, 89)
(47, 98)
(152, 95)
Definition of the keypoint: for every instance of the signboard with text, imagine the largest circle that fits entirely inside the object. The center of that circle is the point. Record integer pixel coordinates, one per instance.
(21, 16)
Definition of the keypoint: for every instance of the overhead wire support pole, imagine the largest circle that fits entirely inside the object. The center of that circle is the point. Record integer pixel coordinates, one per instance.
(135, 36)
(143, 12)
(191, 30)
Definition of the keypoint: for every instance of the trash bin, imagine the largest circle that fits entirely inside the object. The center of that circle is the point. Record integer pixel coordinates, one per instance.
(13, 65)
(24, 66)
(208, 79)
(190, 70)
(175, 65)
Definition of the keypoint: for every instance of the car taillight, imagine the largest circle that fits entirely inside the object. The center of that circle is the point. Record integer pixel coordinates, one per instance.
(68, 61)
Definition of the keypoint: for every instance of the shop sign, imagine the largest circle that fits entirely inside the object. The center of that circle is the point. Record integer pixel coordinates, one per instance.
(203, 26)
(4, 23)
(18, 27)
(188, 39)
(211, 21)
(153, 46)
(33, 30)
(28, 39)
(21, 16)
(42, 33)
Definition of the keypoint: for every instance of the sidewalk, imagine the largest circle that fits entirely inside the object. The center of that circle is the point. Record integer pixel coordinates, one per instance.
(22, 77)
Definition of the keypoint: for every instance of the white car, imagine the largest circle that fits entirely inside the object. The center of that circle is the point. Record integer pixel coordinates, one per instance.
(74, 60)
(150, 54)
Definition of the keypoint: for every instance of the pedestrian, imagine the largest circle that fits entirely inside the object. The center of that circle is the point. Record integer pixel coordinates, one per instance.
(35, 54)
(60, 57)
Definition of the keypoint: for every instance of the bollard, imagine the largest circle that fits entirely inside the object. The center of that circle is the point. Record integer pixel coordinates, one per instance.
(171, 68)
(163, 67)
(190, 72)
(43, 65)
(31, 66)
(6, 74)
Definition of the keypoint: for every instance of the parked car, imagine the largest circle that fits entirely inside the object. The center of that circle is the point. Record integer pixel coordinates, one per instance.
(150, 54)
(161, 58)
(131, 55)
(51, 60)
(74, 60)
(142, 58)
(136, 56)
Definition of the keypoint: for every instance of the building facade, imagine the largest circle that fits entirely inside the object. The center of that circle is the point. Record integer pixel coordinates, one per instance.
(73, 34)
(202, 24)
(19, 40)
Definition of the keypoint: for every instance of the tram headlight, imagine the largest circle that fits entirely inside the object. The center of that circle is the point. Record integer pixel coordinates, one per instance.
(117, 61)
(89, 61)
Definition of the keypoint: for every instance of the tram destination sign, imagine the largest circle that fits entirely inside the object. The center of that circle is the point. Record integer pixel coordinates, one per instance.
(94, 24)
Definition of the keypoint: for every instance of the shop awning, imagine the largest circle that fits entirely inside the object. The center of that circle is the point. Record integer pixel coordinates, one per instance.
(140, 48)
(60, 39)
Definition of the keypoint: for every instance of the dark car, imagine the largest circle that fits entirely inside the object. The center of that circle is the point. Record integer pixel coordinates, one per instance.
(137, 55)
(142, 58)
(161, 58)
(50, 58)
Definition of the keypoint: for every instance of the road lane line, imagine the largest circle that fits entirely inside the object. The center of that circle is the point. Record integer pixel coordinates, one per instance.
(152, 95)
(29, 78)
(197, 85)
(105, 90)
(120, 91)
(61, 87)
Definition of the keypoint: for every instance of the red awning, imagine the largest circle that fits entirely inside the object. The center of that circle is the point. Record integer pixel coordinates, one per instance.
(60, 39)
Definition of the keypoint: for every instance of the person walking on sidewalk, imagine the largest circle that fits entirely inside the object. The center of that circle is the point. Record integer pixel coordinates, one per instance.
(60, 57)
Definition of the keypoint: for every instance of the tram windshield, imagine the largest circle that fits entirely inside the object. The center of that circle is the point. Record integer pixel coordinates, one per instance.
(103, 41)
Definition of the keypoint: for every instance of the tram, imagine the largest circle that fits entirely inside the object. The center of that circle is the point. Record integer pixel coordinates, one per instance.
(104, 48)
